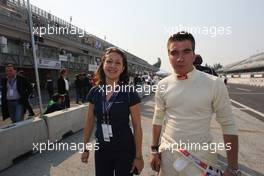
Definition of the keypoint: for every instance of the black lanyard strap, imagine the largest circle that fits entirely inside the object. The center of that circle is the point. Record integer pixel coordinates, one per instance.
(11, 82)
(106, 106)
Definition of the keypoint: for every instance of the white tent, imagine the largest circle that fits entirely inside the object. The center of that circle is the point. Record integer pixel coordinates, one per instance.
(162, 73)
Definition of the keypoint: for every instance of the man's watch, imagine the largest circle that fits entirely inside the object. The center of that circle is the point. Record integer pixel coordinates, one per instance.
(154, 149)
(234, 172)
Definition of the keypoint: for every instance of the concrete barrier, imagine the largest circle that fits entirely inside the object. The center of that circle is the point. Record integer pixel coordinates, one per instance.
(18, 139)
(64, 121)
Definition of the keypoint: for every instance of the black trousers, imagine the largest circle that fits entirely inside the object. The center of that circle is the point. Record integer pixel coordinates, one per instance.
(29, 108)
(67, 100)
(107, 163)
(50, 92)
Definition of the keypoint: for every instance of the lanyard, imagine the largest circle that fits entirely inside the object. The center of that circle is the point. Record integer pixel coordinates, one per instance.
(106, 106)
(11, 83)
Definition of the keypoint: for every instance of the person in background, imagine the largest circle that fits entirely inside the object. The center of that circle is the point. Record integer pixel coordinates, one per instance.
(137, 80)
(93, 80)
(63, 86)
(86, 86)
(28, 105)
(49, 85)
(198, 65)
(78, 87)
(15, 92)
(56, 104)
(225, 79)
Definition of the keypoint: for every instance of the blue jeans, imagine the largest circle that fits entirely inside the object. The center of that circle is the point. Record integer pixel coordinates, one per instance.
(16, 111)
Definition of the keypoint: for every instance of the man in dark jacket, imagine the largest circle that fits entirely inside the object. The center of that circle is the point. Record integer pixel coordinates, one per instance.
(28, 105)
(78, 87)
(15, 92)
(63, 86)
(49, 85)
(86, 86)
(198, 65)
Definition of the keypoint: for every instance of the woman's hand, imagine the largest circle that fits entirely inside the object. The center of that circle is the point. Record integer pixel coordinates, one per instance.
(85, 156)
(137, 163)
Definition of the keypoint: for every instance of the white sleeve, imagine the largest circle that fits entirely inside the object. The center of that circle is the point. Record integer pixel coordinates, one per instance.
(159, 111)
(222, 108)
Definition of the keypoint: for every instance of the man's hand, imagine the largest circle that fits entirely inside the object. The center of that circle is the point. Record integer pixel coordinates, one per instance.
(155, 160)
(232, 153)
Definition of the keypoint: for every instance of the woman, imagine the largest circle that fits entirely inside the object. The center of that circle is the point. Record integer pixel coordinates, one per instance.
(120, 151)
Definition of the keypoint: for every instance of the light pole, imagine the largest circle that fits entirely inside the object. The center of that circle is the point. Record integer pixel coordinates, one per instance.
(34, 54)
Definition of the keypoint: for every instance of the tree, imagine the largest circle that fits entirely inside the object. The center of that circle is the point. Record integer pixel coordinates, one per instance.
(217, 66)
(206, 65)
(158, 63)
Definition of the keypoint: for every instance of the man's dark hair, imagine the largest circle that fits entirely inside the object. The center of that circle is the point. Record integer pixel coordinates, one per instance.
(11, 65)
(62, 71)
(198, 60)
(181, 36)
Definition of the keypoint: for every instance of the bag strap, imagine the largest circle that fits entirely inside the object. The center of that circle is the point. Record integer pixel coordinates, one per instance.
(209, 170)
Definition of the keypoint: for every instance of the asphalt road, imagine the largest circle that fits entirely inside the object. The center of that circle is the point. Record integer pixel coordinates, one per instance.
(67, 162)
(250, 99)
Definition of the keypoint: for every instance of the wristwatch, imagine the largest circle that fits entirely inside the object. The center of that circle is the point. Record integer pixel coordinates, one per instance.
(234, 172)
(154, 149)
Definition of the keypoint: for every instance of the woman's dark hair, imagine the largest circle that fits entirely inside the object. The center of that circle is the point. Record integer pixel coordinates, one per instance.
(100, 75)
(11, 65)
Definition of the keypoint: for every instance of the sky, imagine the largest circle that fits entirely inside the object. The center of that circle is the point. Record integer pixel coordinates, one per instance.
(225, 31)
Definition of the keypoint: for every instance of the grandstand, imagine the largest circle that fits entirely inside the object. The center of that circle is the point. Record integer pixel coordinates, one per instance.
(79, 52)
